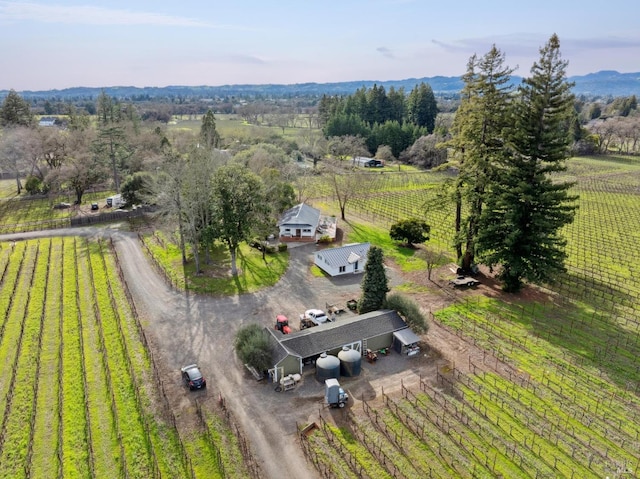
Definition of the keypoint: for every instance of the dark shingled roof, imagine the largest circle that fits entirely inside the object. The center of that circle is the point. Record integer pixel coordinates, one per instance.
(301, 215)
(329, 336)
(280, 351)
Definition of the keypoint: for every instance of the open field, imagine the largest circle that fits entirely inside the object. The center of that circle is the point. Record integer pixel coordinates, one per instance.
(233, 128)
(79, 394)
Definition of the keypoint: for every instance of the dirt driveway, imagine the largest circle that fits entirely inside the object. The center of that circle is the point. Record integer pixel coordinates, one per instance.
(184, 328)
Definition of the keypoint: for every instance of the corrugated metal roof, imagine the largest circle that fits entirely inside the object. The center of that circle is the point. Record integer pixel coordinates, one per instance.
(301, 215)
(406, 336)
(328, 336)
(343, 255)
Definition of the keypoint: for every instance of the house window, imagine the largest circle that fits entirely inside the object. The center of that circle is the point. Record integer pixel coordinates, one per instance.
(307, 230)
(343, 269)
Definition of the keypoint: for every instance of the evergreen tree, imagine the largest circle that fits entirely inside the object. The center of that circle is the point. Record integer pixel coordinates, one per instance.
(396, 104)
(327, 107)
(478, 140)
(15, 111)
(209, 136)
(375, 284)
(378, 107)
(112, 144)
(525, 210)
(357, 105)
(422, 107)
(343, 124)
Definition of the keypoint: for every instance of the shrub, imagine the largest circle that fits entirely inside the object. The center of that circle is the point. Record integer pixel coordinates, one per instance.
(411, 230)
(325, 239)
(271, 248)
(282, 247)
(33, 185)
(409, 310)
(252, 345)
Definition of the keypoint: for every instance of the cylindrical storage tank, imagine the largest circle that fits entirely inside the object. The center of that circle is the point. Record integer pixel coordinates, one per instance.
(327, 367)
(350, 362)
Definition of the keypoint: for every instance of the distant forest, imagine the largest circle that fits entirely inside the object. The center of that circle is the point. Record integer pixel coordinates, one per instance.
(600, 84)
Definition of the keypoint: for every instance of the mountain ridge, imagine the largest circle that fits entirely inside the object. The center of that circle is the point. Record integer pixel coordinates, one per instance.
(601, 83)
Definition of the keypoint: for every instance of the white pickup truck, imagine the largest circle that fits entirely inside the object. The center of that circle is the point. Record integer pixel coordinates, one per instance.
(313, 317)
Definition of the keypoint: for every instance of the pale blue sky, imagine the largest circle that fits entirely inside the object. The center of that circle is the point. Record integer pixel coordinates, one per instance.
(47, 44)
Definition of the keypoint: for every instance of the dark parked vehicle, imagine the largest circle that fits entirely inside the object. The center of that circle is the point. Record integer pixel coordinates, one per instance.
(373, 164)
(94, 207)
(193, 378)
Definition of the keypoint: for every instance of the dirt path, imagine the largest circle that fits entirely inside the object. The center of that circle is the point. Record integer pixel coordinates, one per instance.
(184, 328)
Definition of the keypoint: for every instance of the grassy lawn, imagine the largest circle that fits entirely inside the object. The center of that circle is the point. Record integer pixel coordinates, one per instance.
(233, 128)
(254, 272)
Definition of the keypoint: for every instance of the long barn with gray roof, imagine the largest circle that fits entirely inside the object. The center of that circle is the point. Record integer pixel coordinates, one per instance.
(374, 330)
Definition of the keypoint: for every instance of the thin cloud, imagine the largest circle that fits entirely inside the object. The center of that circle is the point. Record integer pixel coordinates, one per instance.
(512, 44)
(601, 42)
(385, 52)
(245, 60)
(527, 43)
(90, 15)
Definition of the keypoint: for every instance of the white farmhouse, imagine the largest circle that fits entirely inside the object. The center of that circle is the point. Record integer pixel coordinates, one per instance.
(299, 223)
(346, 259)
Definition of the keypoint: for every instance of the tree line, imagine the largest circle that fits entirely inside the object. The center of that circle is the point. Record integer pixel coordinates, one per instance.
(391, 118)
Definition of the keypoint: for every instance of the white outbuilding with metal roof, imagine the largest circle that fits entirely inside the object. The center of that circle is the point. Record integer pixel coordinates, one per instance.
(347, 259)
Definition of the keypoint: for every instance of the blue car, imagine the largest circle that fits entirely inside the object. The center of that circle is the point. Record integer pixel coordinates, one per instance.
(193, 378)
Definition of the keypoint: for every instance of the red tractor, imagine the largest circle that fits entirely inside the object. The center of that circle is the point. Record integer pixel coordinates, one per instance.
(282, 324)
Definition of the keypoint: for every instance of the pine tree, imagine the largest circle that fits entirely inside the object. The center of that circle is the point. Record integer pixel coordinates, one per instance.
(15, 111)
(422, 107)
(375, 284)
(526, 209)
(478, 141)
(208, 133)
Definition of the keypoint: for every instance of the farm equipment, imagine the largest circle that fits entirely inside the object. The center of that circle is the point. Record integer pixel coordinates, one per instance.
(282, 324)
(334, 309)
(371, 356)
(334, 395)
(306, 323)
(352, 304)
(288, 382)
(313, 317)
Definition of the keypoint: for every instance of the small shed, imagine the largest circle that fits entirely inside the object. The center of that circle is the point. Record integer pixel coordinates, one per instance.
(47, 121)
(368, 162)
(299, 223)
(405, 342)
(285, 361)
(350, 258)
